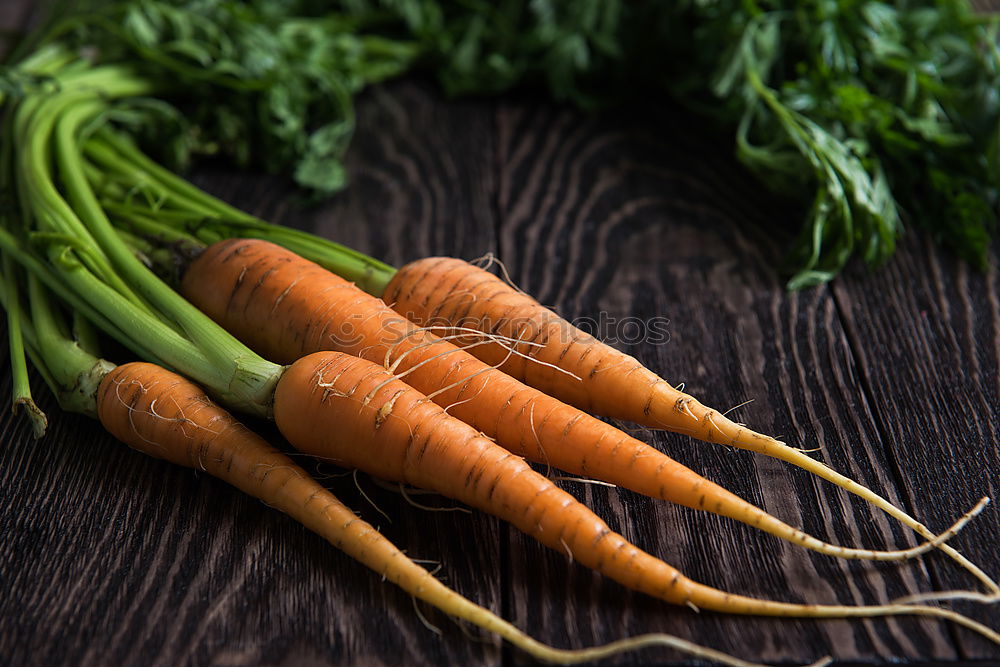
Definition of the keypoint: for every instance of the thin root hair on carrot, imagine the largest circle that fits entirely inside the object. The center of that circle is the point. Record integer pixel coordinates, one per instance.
(504, 342)
(320, 468)
(738, 406)
(448, 387)
(486, 338)
(488, 260)
(364, 495)
(456, 404)
(152, 412)
(441, 390)
(394, 487)
(633, 429)
(428, 508)
(538, 442)
(580, 480)
(569, 552)
(423, 619)
(391, 366)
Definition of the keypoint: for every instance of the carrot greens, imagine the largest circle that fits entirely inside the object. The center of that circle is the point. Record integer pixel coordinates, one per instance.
(872, 117)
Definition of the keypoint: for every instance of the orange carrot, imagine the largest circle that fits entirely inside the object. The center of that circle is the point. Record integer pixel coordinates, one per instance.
(284, 307)
(563, 361)
(166, 416)
(354, 413)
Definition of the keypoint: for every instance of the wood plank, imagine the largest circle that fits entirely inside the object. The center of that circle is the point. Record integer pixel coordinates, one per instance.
(925, 332)
(657, 222)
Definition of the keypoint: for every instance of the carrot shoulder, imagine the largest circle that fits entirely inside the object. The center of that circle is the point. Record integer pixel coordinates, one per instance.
(563, 361)
(284, 307)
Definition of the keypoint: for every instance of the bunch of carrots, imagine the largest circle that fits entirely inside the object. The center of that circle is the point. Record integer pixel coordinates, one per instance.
(439, 375)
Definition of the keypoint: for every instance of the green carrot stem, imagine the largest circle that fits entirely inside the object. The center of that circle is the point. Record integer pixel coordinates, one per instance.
(21, 399)
(75, 371)
(115, 150)
(71, 371)
(85, 334)
(254, 376)
(105, 273)
(151, 224)
(34, 125)
(215, 219)
(143, 333)
(137, 244)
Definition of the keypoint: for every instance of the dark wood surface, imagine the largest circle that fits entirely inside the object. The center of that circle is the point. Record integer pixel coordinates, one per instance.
(109, 557)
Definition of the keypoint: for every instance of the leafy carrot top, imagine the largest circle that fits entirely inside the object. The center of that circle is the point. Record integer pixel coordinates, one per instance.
(869, 115)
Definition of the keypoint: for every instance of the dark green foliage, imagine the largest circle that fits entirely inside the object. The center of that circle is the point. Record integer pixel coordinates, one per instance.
(870, 114)
(264, 81)
(877, 112)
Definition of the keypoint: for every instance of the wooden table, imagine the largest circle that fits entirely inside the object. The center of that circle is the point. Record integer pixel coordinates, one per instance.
(110, 557)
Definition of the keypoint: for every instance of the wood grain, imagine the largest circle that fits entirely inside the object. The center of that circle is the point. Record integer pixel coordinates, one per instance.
(929, 364)
(108, 557)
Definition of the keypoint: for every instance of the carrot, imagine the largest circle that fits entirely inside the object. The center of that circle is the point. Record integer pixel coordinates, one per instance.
(354, 413)
(166, 416)
(284, 307)
(563, 361)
